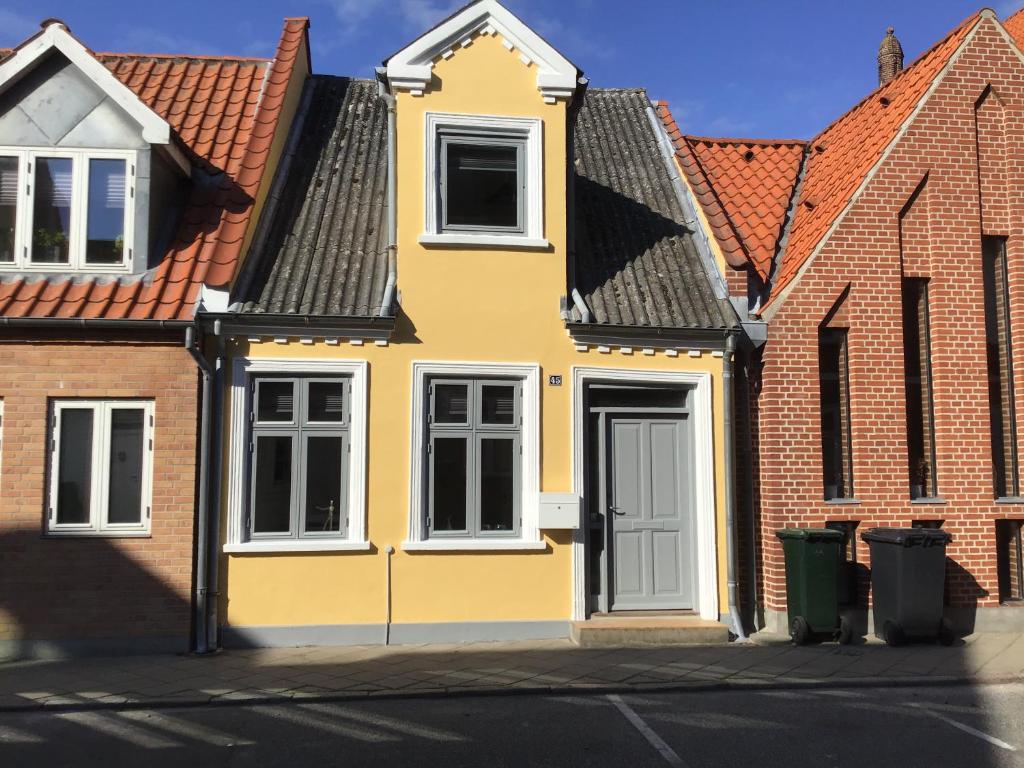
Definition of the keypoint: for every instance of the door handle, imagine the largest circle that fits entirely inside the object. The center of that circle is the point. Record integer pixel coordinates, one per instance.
(615, 511)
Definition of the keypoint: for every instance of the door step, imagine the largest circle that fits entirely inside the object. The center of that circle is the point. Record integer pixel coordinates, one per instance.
(610, 631)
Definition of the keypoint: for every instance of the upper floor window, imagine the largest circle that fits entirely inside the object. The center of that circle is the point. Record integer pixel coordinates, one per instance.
(917, 366)
(486, 184)
(836, 432)
(66, 210)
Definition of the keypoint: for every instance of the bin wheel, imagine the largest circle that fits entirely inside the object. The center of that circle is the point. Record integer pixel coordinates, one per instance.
(845, 631)
(893, 635)
(800, 630)
(947, 635)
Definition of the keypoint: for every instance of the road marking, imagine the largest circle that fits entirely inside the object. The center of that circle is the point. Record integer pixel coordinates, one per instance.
(965, 728)
(310, 720)
(379, 721)
(645, 730)
(185, 728)
(10, 735)
(130, 733)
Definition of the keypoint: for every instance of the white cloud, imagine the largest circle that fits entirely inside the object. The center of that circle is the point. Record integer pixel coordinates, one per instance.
(413, 15)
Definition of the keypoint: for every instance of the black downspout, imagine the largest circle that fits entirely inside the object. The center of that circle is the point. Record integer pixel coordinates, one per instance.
(216, 432)
(202, 523)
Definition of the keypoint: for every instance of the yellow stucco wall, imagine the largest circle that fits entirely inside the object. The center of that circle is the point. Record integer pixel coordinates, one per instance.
(457, 304)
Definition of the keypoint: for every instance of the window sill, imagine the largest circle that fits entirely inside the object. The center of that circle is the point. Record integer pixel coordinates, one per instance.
(474, 545)
(284, 547)
(929, 500)
(485, 241)
(842, 502)
(1010, 500)
(52, 534)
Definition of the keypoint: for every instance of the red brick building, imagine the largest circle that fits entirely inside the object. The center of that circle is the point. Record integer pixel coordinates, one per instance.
(129, 185)
(881, 265)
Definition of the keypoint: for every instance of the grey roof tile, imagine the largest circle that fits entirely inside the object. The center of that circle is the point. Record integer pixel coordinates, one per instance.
(325, 252)
(325, 249)
(636, 263)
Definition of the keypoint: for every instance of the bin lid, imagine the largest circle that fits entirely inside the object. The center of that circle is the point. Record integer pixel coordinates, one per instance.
(907, 537)
(811, 534)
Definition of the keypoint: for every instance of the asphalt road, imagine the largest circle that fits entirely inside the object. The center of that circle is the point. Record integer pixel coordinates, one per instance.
(958, 726)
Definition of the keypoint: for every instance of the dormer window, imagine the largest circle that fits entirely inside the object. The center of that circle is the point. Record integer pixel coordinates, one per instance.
(486, 181)
(66, 210)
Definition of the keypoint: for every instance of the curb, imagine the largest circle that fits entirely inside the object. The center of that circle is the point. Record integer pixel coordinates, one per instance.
(591, 689)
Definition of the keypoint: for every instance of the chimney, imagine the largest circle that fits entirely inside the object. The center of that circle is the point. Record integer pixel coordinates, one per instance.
(890, 58)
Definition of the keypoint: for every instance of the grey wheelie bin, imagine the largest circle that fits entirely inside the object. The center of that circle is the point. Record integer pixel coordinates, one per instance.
(908, 581)
(812, 584)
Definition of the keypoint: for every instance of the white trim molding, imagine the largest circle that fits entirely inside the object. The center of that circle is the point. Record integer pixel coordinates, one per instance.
(411, 69)
(704, 477)
(529, 532)
(242, 370)
(531, 131)
(55, 36)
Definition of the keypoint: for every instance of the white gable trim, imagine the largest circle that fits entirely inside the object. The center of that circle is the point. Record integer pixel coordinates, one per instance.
(55, 36)
(776, 302)
(410, 68)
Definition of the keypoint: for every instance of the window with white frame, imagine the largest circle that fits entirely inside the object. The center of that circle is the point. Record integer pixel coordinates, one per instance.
(101, 467)
(474, 458)
(485, 180)
(66, 209)
(299, 445)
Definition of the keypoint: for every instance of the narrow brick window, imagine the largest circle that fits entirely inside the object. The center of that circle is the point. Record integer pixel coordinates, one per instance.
(836, 439)
(917, 366)
(1009, 560)
(998, 344)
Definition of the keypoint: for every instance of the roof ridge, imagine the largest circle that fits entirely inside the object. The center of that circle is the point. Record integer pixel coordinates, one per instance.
(181, 57)
(900, 76)
(756, 142)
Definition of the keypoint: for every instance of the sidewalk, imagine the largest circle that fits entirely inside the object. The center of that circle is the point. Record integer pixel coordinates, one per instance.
(555, 666)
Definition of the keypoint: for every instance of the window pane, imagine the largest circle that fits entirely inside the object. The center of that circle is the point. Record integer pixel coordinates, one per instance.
(323, 484)
(277, 401)
(497, 485)
(126, 436)
(326, 401)
(451, 404)
(107, 181)
(51, 217)
(836, 453)
(8, 206)
(272, 491)
(449, 484)
(499, 403)
(74, 480)
(482, 186)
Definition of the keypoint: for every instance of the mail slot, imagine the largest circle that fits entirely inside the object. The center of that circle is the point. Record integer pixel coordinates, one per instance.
(559, 511)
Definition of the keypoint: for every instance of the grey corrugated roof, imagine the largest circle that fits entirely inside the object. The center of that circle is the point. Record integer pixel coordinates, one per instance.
(636, 264)
(325, 250)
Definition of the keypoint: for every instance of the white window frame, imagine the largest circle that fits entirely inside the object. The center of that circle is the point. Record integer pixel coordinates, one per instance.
(242, 372)
(98, 524)
(78, 235)
(529, 532)
(531, 132)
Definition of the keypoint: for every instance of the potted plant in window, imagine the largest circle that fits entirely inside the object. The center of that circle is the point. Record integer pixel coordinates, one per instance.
(48, 245)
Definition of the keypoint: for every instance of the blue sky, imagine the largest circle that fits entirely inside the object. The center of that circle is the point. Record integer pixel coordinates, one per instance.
(764, 68)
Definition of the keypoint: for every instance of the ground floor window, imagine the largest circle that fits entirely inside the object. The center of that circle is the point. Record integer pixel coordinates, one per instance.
(1009, 559)
(299, 450)
(101, 466)
(474, 457)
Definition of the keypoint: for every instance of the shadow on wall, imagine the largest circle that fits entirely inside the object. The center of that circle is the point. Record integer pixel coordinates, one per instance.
(87, 596)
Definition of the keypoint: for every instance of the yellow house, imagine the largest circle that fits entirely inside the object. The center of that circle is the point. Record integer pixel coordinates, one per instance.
(474, 367)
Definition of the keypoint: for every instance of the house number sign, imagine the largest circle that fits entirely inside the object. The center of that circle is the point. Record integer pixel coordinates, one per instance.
(554, 381)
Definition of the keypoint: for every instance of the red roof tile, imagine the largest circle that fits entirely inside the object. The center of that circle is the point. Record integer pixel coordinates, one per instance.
(845, 152)
(225, 112)
(1015, 26)
(744, 187)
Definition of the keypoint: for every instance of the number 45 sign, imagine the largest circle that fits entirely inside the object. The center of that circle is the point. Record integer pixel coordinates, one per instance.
(554, 381)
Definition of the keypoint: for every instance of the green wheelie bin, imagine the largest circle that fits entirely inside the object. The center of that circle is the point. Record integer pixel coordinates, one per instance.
(812, 584)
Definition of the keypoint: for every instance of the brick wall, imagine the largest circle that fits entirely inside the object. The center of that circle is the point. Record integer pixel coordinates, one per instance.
(932, 189)
(80, 588)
